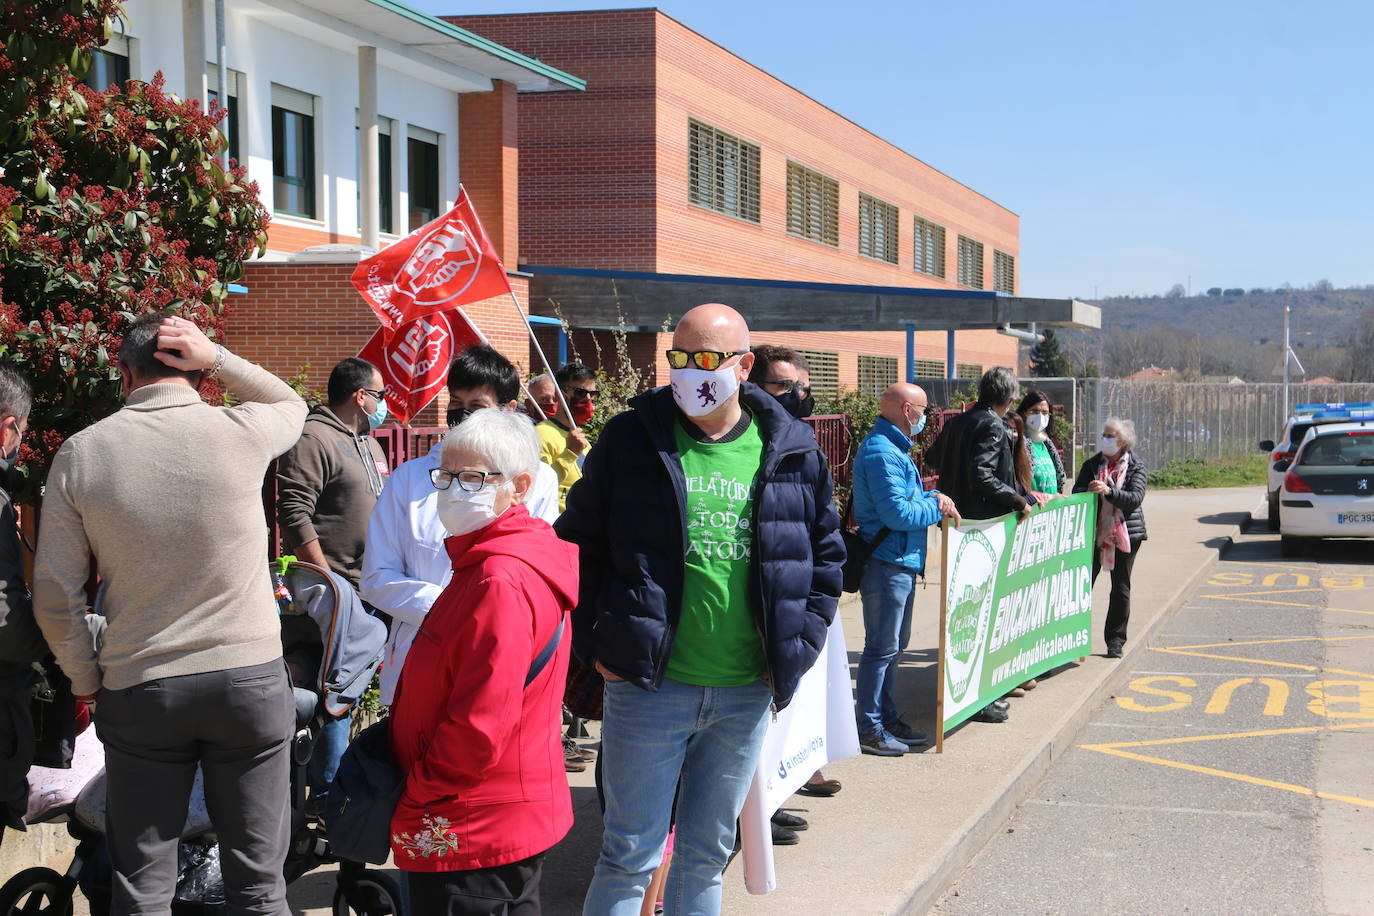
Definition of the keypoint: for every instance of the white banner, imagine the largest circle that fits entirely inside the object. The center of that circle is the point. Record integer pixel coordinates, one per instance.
(817, 727)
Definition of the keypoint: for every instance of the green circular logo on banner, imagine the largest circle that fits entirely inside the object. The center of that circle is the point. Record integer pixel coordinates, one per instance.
(971, 579)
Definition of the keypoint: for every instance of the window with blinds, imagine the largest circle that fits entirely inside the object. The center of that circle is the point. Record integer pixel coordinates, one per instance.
(970, 263)
(813, 205)
(825, 371)
(722, 172)
(967, 370)
(1003, 272)
(876, 373)
(877, 229)
(928, 240)
(930, 368)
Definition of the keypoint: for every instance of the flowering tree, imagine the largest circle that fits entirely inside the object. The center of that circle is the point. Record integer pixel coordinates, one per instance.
(111, 204)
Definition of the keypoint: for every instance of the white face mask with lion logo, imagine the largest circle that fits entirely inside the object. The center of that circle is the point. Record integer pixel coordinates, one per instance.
(699, 391)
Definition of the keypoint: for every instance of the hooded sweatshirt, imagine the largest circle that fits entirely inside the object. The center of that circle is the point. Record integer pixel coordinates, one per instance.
(326, 488)
(483, 753)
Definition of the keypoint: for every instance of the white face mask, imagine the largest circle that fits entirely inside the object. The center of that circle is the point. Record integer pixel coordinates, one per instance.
(1037, 422)
(462, 512)
(1108, 446)
(699, 392)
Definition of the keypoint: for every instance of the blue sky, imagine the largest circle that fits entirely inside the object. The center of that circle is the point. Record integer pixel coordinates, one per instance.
(1142, 144)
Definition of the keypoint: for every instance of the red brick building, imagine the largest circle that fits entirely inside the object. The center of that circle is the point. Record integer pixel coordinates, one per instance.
(682, 158)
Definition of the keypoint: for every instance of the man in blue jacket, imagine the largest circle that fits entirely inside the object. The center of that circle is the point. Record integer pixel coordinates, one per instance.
(893, 510)
(710, 565)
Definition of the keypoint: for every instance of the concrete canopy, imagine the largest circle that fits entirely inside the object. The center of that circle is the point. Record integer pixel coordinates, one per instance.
(638, 301)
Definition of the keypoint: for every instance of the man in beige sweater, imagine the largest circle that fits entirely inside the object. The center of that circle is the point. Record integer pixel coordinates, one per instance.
(166, 495)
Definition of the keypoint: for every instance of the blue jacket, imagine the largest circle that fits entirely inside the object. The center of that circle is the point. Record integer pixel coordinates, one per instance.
(628, 517)
(888, 494)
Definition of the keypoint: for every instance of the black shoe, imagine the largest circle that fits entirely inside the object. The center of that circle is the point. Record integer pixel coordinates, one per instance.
(1001, 705)
(781, 818)
(990, 713)
(784, 837)
(1114, 649)
(906, 734)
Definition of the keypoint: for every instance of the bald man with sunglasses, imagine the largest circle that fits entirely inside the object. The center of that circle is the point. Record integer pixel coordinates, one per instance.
(710, 570)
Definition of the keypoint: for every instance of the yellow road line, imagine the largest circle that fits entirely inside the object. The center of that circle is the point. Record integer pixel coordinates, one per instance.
(1268, 591)
(1262, 661)
(1342, 610)
(1242, 563)
(1265, 642)
(1264, 733)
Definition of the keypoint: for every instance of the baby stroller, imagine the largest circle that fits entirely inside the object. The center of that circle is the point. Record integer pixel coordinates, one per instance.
(332, 648)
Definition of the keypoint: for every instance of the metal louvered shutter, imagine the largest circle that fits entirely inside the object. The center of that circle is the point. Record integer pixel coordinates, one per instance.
(722, 172)
(970, 263)
(825, 371)
(1003, 272)
(877, 229)
(876, 373)
(928, 242)
(813, 205)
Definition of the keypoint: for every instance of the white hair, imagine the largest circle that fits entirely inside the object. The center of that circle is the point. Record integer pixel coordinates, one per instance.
(1125, 432)
(504, 439)
(541, 378)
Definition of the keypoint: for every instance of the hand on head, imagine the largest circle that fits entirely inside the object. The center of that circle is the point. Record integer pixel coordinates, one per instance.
(183, 346)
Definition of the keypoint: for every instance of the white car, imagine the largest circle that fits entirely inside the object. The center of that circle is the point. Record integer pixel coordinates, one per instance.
(1328, 487)
(1305, 417)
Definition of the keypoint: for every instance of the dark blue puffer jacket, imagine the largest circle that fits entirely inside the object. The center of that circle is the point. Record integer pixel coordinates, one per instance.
(627, 515)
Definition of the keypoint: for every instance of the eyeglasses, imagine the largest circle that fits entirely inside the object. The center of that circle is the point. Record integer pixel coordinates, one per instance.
(581, 392)
(710, 360)
(378, 394)
(470, 481)
(789, 384)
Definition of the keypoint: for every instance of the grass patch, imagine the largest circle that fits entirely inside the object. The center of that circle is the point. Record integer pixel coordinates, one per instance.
(1187, 473)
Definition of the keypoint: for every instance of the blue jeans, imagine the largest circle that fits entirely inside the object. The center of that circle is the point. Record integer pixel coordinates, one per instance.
(709, 739)
(324, 759)
(888, 592)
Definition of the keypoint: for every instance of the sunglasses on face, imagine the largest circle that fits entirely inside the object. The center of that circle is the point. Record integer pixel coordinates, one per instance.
(581, 392)
(789, 384)
(710, 360)
(471, 481)
(378, 394)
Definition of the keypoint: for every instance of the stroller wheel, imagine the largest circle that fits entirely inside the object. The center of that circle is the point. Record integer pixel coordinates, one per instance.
(369, 894)
(38, 891)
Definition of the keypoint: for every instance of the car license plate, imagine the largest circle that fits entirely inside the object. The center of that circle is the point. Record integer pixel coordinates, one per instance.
(1355, 518)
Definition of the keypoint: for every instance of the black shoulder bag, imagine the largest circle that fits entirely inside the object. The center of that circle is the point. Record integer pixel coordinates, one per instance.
(857, 551)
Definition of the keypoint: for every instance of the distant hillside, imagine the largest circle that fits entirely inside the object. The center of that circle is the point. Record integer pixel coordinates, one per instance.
(1321, 317)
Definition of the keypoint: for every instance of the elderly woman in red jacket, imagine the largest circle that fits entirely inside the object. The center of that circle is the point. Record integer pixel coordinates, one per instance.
(486, 795)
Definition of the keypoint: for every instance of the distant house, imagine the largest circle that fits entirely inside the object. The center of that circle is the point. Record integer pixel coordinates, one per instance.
(1321, 380)
(1153, 374)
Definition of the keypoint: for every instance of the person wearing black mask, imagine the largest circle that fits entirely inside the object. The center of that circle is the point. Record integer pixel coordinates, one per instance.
(785, 374)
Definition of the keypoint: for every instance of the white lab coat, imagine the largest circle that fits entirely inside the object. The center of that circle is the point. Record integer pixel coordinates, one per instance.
(405, 566)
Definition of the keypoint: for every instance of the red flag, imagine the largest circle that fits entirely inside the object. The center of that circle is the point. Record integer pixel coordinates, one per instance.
(446, 263)
(414, 359)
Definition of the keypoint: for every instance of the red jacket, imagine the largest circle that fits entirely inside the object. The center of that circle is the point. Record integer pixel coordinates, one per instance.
(483, 753)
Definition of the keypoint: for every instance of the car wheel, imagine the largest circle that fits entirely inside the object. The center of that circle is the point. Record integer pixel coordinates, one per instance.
(1273, 515)
(1290, 546)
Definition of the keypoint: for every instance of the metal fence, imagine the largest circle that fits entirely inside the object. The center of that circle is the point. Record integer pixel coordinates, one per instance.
(1179, 420)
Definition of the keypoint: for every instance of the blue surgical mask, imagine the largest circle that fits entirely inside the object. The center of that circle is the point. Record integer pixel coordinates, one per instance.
(378, 416)
(917, 427)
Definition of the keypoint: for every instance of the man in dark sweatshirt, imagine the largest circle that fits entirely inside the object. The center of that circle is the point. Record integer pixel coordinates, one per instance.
(326, 488)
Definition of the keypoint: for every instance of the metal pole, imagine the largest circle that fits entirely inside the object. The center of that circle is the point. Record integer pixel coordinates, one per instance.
(949, 355)
(1287, 349)
(222, 64)
(910, 354)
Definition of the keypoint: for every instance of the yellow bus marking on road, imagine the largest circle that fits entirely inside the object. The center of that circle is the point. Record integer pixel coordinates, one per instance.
(1261, 661)
(1274, 702)
(1265, 642)
(1177, 699)
(1313, 607)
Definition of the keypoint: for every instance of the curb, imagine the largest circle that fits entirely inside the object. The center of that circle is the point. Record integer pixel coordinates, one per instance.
(961, 850)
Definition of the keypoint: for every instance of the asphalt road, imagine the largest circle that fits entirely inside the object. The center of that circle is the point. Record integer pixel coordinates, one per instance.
(1234, 773)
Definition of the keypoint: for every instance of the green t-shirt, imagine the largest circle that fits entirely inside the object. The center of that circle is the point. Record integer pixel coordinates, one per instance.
(1043, 478)
(718, 642)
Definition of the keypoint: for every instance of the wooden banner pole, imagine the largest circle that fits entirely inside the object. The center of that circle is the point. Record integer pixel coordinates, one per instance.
(944, 626)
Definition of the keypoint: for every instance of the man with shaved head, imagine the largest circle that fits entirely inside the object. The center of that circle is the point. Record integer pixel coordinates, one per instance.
(893, 510)
(711, 557)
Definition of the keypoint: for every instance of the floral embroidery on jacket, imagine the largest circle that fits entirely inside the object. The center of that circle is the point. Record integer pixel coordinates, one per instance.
(437, 839)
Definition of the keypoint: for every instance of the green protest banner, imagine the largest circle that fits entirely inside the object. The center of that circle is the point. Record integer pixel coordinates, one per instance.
(1016, 601)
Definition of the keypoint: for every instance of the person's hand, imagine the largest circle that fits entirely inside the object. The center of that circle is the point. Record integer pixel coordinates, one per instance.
(1099, 487)
(605, 672)
(1024, 512)
(946, 505)
(577, 441)
(183, 346)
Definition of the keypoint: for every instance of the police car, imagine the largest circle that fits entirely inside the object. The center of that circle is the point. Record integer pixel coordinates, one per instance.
(1328, 486)
(1305, 417)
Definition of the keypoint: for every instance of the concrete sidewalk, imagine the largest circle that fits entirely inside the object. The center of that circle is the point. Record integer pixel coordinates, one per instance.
(903, 829)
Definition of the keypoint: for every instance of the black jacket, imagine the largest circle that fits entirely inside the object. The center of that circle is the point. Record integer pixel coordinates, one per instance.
(973, 456)
(628, 517)
(1127, 498)
(21, 643)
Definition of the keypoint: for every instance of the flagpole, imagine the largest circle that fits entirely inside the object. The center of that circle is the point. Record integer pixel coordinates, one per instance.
(558, 389)
(482, 337)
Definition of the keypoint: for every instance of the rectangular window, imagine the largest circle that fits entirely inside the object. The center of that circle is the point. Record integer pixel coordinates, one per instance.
(930, 368)
(722, 172)
(825, 371)
(813, 205)
(422, 183)
(383, 174)
(1003, 272)
(108, 68)
(230, 125)
(967, 370)
(928, 240)
(876, 373)
(970, 263)
(293, 152)
(877, 229)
